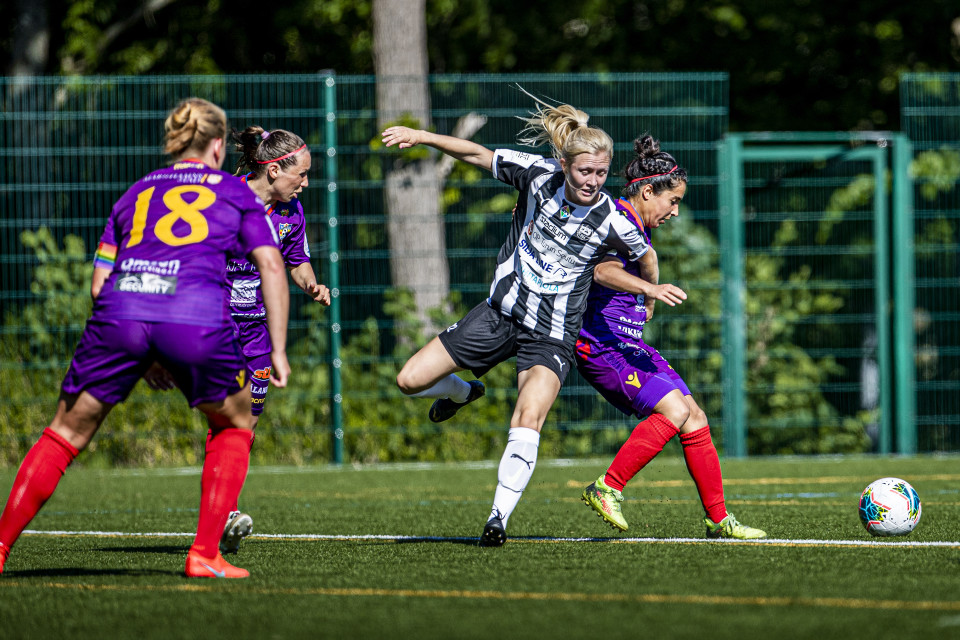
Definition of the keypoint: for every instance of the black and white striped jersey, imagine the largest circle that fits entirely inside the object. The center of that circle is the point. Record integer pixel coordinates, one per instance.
(545, 267)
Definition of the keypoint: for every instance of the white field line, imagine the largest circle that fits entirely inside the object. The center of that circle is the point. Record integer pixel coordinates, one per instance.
(776, 542)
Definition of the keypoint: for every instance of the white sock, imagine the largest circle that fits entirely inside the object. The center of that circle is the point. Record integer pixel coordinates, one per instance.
(452, 387)
(516, 467)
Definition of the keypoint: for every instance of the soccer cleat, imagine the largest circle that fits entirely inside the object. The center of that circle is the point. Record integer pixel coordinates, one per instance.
(606, 502)
(730, 528)
(494, 534)
(239, 526)
(445, 408)
(199, 566)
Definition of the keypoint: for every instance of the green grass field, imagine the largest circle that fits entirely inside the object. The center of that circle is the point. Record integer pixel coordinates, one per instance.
(388, 552)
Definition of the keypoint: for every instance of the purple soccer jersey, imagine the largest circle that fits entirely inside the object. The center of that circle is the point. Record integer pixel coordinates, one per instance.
(173, 231)
(246, 297)
(615, 316)
(611, 353)
(167, 242)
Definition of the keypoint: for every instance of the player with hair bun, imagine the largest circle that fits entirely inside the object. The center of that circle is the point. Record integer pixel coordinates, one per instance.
(563, 225)
(632, 375)
(157, 288)
(274, 164)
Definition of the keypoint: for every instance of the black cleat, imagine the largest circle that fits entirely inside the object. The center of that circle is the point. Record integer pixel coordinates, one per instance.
(494, 534)
(445, 408)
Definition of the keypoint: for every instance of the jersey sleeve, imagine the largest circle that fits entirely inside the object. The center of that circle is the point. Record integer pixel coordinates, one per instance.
(293, 244)
(517, 168)
(106, 254)
(256, 230)
(626, 238)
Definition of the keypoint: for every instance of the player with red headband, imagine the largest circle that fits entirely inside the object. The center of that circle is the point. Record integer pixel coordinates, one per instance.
(158, 298)
(274, 164)
(632, 375)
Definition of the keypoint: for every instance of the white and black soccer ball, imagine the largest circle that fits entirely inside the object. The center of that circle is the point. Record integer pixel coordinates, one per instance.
(889, 507)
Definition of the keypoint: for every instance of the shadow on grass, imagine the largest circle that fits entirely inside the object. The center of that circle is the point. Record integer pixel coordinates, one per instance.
(177, 550)
(70, 572)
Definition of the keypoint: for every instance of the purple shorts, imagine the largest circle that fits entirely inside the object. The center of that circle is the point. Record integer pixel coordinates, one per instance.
(632, 380)
(253, 336)
(113, 355)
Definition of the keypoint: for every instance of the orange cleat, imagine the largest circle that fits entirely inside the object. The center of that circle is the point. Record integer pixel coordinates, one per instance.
(199, 566)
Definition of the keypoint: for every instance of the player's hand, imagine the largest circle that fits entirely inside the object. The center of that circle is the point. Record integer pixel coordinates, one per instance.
(280, 371)
(320, 293)
(158, 378)
(404, 137)
(668, 293)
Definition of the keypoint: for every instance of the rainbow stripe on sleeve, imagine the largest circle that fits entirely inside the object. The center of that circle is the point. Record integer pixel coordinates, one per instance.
(105, 257)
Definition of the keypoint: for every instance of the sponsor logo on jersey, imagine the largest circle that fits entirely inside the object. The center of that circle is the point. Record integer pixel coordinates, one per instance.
(243, 293)
(262, 374)
(633, 380)
(564, 212)
(241, 378)
(146, 283)
(545, 267)
(552, 230)
(562, 255)
(214, 178)
(533, 280)
(156, 267)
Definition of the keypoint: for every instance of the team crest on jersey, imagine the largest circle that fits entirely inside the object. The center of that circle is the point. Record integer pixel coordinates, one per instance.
(564, 212)
(584, 232)
(284, 229)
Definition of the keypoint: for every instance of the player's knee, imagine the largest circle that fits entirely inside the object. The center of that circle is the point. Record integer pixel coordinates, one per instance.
(676, 413)
(697, 420)
(405, 383)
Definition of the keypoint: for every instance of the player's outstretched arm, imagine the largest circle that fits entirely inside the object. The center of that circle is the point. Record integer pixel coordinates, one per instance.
(306, 279)
(611, 274)
(276, 298)
(470, 152)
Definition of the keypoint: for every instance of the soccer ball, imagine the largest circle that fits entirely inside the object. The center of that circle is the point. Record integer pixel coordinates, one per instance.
(889, 507)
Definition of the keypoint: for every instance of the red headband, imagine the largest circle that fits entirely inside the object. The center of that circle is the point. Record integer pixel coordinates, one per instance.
(656, 175)
(287, 155)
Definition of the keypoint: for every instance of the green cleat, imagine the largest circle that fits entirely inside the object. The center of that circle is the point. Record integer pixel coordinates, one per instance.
(606, 502)
(730, 528)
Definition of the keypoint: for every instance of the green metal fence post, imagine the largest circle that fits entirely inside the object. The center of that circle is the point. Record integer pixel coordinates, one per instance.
(881, 268)
(333, 274)
(734, 347)
(904, 290)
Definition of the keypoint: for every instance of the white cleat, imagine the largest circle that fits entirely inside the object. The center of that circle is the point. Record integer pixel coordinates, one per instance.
(239, 526)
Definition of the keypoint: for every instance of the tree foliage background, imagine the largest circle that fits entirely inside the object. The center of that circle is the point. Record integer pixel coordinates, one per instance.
(793, 65)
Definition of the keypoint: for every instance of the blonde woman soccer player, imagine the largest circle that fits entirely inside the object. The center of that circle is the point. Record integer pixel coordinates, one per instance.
(564, 224)
(632, 375)
(159, 265)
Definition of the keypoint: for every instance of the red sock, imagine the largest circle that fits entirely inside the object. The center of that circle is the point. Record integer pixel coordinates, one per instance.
(704, 467)
(39, 474)
(646, 441)
(224, 472)
(236, 503)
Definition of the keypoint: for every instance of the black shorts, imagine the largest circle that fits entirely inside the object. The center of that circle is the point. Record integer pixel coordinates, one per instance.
(485, 337)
